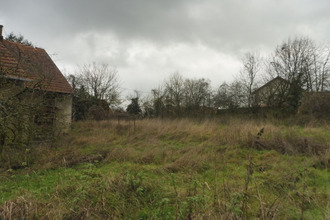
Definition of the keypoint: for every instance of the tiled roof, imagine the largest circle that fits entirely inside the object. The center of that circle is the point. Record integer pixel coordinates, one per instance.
(29, 63)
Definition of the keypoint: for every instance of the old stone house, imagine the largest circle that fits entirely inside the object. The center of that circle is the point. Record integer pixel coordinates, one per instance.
(32, 68)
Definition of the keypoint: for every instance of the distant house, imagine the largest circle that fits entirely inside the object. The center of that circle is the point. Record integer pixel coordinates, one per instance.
(272, 94)
(32, 68)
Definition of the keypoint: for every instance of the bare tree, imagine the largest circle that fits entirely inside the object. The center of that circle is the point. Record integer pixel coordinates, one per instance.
(319, 72)
(174, 89)
(292, 61)
(248, 75)
(158, 98)
(222, 98)
(230, 96)
(237, 95)
(147, 106)
(197, 95)
(100, 81)
(182, 96)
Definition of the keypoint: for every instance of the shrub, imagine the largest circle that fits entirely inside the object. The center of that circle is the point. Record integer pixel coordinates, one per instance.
(317, 105)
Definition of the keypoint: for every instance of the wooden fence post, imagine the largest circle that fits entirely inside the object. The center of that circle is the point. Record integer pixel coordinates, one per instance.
(129, 126)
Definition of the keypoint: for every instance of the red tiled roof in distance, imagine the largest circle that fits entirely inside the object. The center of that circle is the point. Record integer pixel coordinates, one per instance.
(18, 60)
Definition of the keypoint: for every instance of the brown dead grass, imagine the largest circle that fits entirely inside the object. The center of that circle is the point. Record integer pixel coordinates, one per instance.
(179, 144)
(180, 147)
(191, 158)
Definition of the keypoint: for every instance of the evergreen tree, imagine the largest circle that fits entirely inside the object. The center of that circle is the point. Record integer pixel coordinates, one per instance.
(134, 107)
(18, 39)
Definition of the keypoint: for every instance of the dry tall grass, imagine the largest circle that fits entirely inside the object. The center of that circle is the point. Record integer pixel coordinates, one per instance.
(217, 169)
(177, 142)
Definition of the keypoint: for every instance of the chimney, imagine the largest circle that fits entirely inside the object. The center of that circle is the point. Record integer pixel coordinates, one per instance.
(1, 37)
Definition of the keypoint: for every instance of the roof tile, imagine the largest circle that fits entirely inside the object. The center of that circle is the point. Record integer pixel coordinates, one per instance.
(18, 60)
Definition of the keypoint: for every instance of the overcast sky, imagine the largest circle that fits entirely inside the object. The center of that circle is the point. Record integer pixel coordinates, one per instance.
(148, 40)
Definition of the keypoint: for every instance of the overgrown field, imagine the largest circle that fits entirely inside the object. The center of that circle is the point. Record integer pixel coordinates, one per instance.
(174, 169)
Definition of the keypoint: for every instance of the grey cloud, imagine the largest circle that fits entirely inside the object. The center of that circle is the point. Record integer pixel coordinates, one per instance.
(225, 24)
(107, 30)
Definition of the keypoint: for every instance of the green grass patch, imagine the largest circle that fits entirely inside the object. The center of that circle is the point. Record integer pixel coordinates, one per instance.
(173, 175)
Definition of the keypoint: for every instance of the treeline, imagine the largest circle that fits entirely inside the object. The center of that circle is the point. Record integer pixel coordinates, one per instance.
(302, 66)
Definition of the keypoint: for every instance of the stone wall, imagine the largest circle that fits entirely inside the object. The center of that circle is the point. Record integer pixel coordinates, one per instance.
(63, 106)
